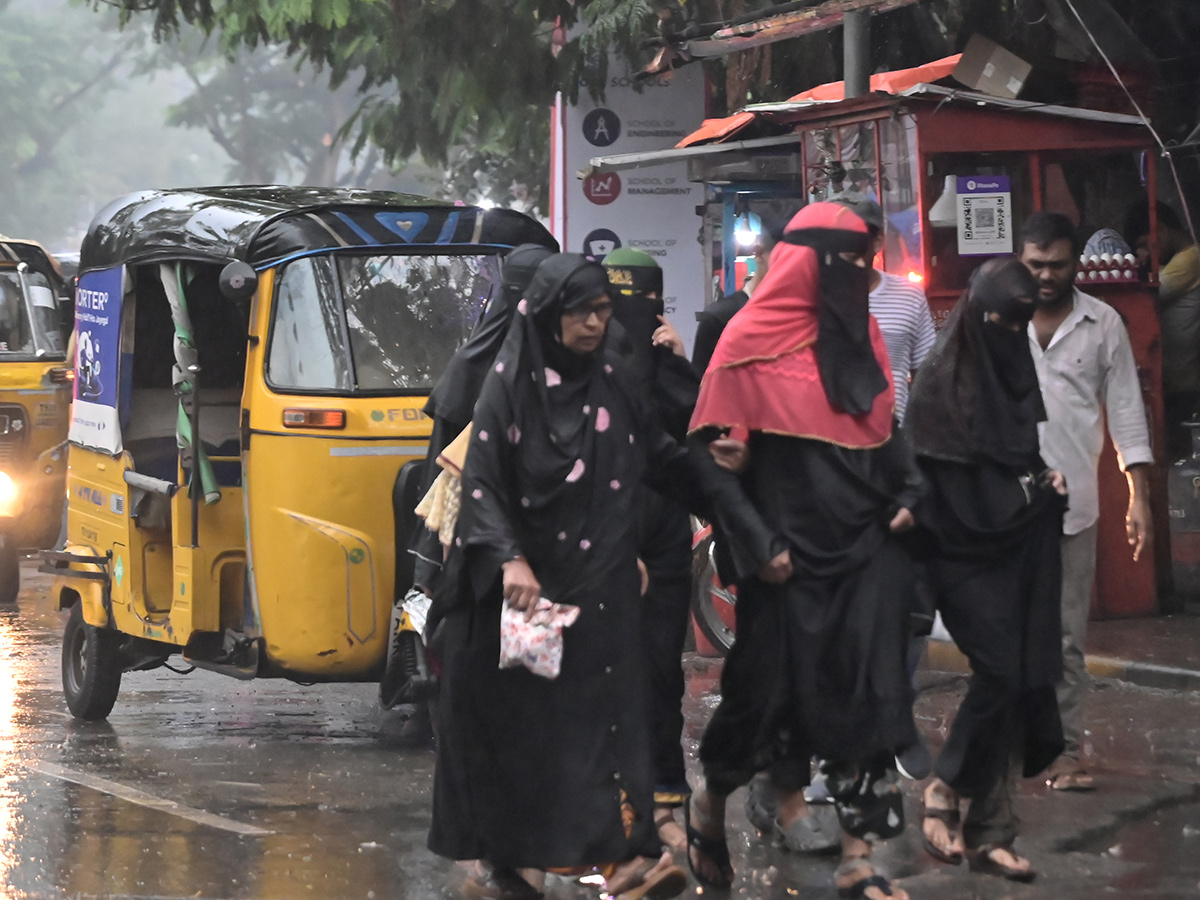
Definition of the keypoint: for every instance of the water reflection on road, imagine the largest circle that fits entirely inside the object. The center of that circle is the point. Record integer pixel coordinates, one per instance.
(339, 788)
(10, 798)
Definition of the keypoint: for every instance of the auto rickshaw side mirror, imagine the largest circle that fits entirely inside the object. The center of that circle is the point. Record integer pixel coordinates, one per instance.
(238, 281)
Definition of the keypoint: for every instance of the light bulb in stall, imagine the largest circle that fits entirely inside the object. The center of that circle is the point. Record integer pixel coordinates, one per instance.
(944, 212)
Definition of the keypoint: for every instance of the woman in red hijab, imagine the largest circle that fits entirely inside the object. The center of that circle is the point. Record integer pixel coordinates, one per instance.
(818, 668)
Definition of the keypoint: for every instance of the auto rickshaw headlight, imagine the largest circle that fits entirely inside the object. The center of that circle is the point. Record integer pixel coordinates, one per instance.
(8, 491)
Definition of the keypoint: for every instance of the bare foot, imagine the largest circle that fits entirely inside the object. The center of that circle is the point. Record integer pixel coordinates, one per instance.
(670, 832)
(632, 873)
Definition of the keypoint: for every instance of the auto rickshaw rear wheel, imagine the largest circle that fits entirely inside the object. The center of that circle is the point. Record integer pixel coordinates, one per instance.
(10, 572)
(91, 668)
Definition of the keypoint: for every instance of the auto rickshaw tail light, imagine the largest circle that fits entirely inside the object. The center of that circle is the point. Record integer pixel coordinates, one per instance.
(314, 418)
(59, 375)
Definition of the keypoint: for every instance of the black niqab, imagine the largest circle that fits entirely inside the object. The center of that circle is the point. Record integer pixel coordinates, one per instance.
(849, 371)
(454, 396)
(976, 396)
(637, 316)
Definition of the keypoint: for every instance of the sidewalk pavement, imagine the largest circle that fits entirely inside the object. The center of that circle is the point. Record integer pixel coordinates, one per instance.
(1161, 652)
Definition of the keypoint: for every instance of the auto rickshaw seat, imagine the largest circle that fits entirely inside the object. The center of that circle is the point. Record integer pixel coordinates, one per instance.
(150, 435)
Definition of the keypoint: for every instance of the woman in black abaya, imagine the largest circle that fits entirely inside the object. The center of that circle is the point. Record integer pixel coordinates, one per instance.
(818, 667)
(995, 515)
(535, 773)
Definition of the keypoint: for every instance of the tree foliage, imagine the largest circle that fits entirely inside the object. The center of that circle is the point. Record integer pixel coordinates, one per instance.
(80, 126)
(468, 82)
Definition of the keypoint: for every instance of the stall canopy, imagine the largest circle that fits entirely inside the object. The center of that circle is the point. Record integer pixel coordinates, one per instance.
(884, 82)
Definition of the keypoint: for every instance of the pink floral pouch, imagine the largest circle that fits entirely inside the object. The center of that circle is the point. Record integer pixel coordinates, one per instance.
(537, 644)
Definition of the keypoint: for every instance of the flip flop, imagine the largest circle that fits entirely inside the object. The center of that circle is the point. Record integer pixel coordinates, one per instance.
(951, 819)
(670, 882)
(715, 850)
(981, 861)
(858, 890)
(818, 832)
(762, 803)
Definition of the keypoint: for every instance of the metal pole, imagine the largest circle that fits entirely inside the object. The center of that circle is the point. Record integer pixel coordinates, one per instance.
(856, 52)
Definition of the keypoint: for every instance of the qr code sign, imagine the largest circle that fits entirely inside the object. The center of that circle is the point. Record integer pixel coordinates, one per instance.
(985, 218)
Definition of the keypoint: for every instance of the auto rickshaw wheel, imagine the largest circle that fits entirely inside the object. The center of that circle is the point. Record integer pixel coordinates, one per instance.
(91, 668)
(10, 572)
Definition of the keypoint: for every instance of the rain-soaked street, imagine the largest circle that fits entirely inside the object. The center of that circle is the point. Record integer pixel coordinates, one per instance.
(206, 787)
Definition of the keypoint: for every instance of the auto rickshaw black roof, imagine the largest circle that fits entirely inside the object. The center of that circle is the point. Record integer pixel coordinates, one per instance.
(262, 225)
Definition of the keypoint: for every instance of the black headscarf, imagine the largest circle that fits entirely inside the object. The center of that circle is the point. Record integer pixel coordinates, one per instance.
(454, 396)
(849, 371)
(976, 396)
(554, 434)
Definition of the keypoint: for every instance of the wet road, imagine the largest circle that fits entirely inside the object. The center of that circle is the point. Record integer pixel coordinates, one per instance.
(200, 786)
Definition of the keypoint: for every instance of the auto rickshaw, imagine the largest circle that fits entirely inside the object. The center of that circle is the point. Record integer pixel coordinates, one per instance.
(35, 400)
(250, 372)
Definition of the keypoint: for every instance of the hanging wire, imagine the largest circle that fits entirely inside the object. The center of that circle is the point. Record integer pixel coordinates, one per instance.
(1024, 20)
(1165, 150)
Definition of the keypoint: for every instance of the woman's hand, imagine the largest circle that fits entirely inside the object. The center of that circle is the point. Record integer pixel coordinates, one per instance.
(1058, 481)
(644, 574)
(902, 521)
(665, 335)
(521, 589)
(731, 455)
(778, 570)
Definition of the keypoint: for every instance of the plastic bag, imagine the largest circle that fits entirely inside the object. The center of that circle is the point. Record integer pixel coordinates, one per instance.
(537, 644)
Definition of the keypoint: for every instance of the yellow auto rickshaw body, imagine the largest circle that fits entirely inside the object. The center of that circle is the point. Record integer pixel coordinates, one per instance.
(35, 397)
(299, 340)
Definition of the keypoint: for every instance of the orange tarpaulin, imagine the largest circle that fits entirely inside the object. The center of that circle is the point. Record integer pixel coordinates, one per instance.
(887, 82)
(715, 129)
(884, 82)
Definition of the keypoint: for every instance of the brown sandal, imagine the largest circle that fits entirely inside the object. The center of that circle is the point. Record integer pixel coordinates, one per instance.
(952, 820)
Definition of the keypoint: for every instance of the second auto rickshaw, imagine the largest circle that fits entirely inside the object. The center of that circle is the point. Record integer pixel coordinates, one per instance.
(35, 398)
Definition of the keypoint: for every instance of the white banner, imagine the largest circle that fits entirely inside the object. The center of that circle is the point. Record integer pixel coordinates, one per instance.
(651, 209)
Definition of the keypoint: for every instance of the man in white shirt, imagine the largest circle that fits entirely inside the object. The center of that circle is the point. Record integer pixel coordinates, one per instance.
(1087, 375)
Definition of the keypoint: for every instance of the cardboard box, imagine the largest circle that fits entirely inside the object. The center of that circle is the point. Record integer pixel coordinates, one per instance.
(990, 69)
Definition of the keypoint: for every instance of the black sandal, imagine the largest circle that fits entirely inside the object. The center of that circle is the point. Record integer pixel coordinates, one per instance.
(715, 850)
(858, 890)
(981, 861)
(951, 819)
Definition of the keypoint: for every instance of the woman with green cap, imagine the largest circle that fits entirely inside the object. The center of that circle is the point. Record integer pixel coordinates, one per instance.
(667, 382)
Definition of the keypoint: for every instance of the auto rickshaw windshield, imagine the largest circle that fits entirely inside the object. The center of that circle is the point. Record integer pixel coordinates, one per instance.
(29, 322)
(374, 324)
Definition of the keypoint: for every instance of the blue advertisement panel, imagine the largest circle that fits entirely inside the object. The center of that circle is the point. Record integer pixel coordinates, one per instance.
(94, 420)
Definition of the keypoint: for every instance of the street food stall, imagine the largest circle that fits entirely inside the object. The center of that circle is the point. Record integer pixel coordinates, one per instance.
(956, 172)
